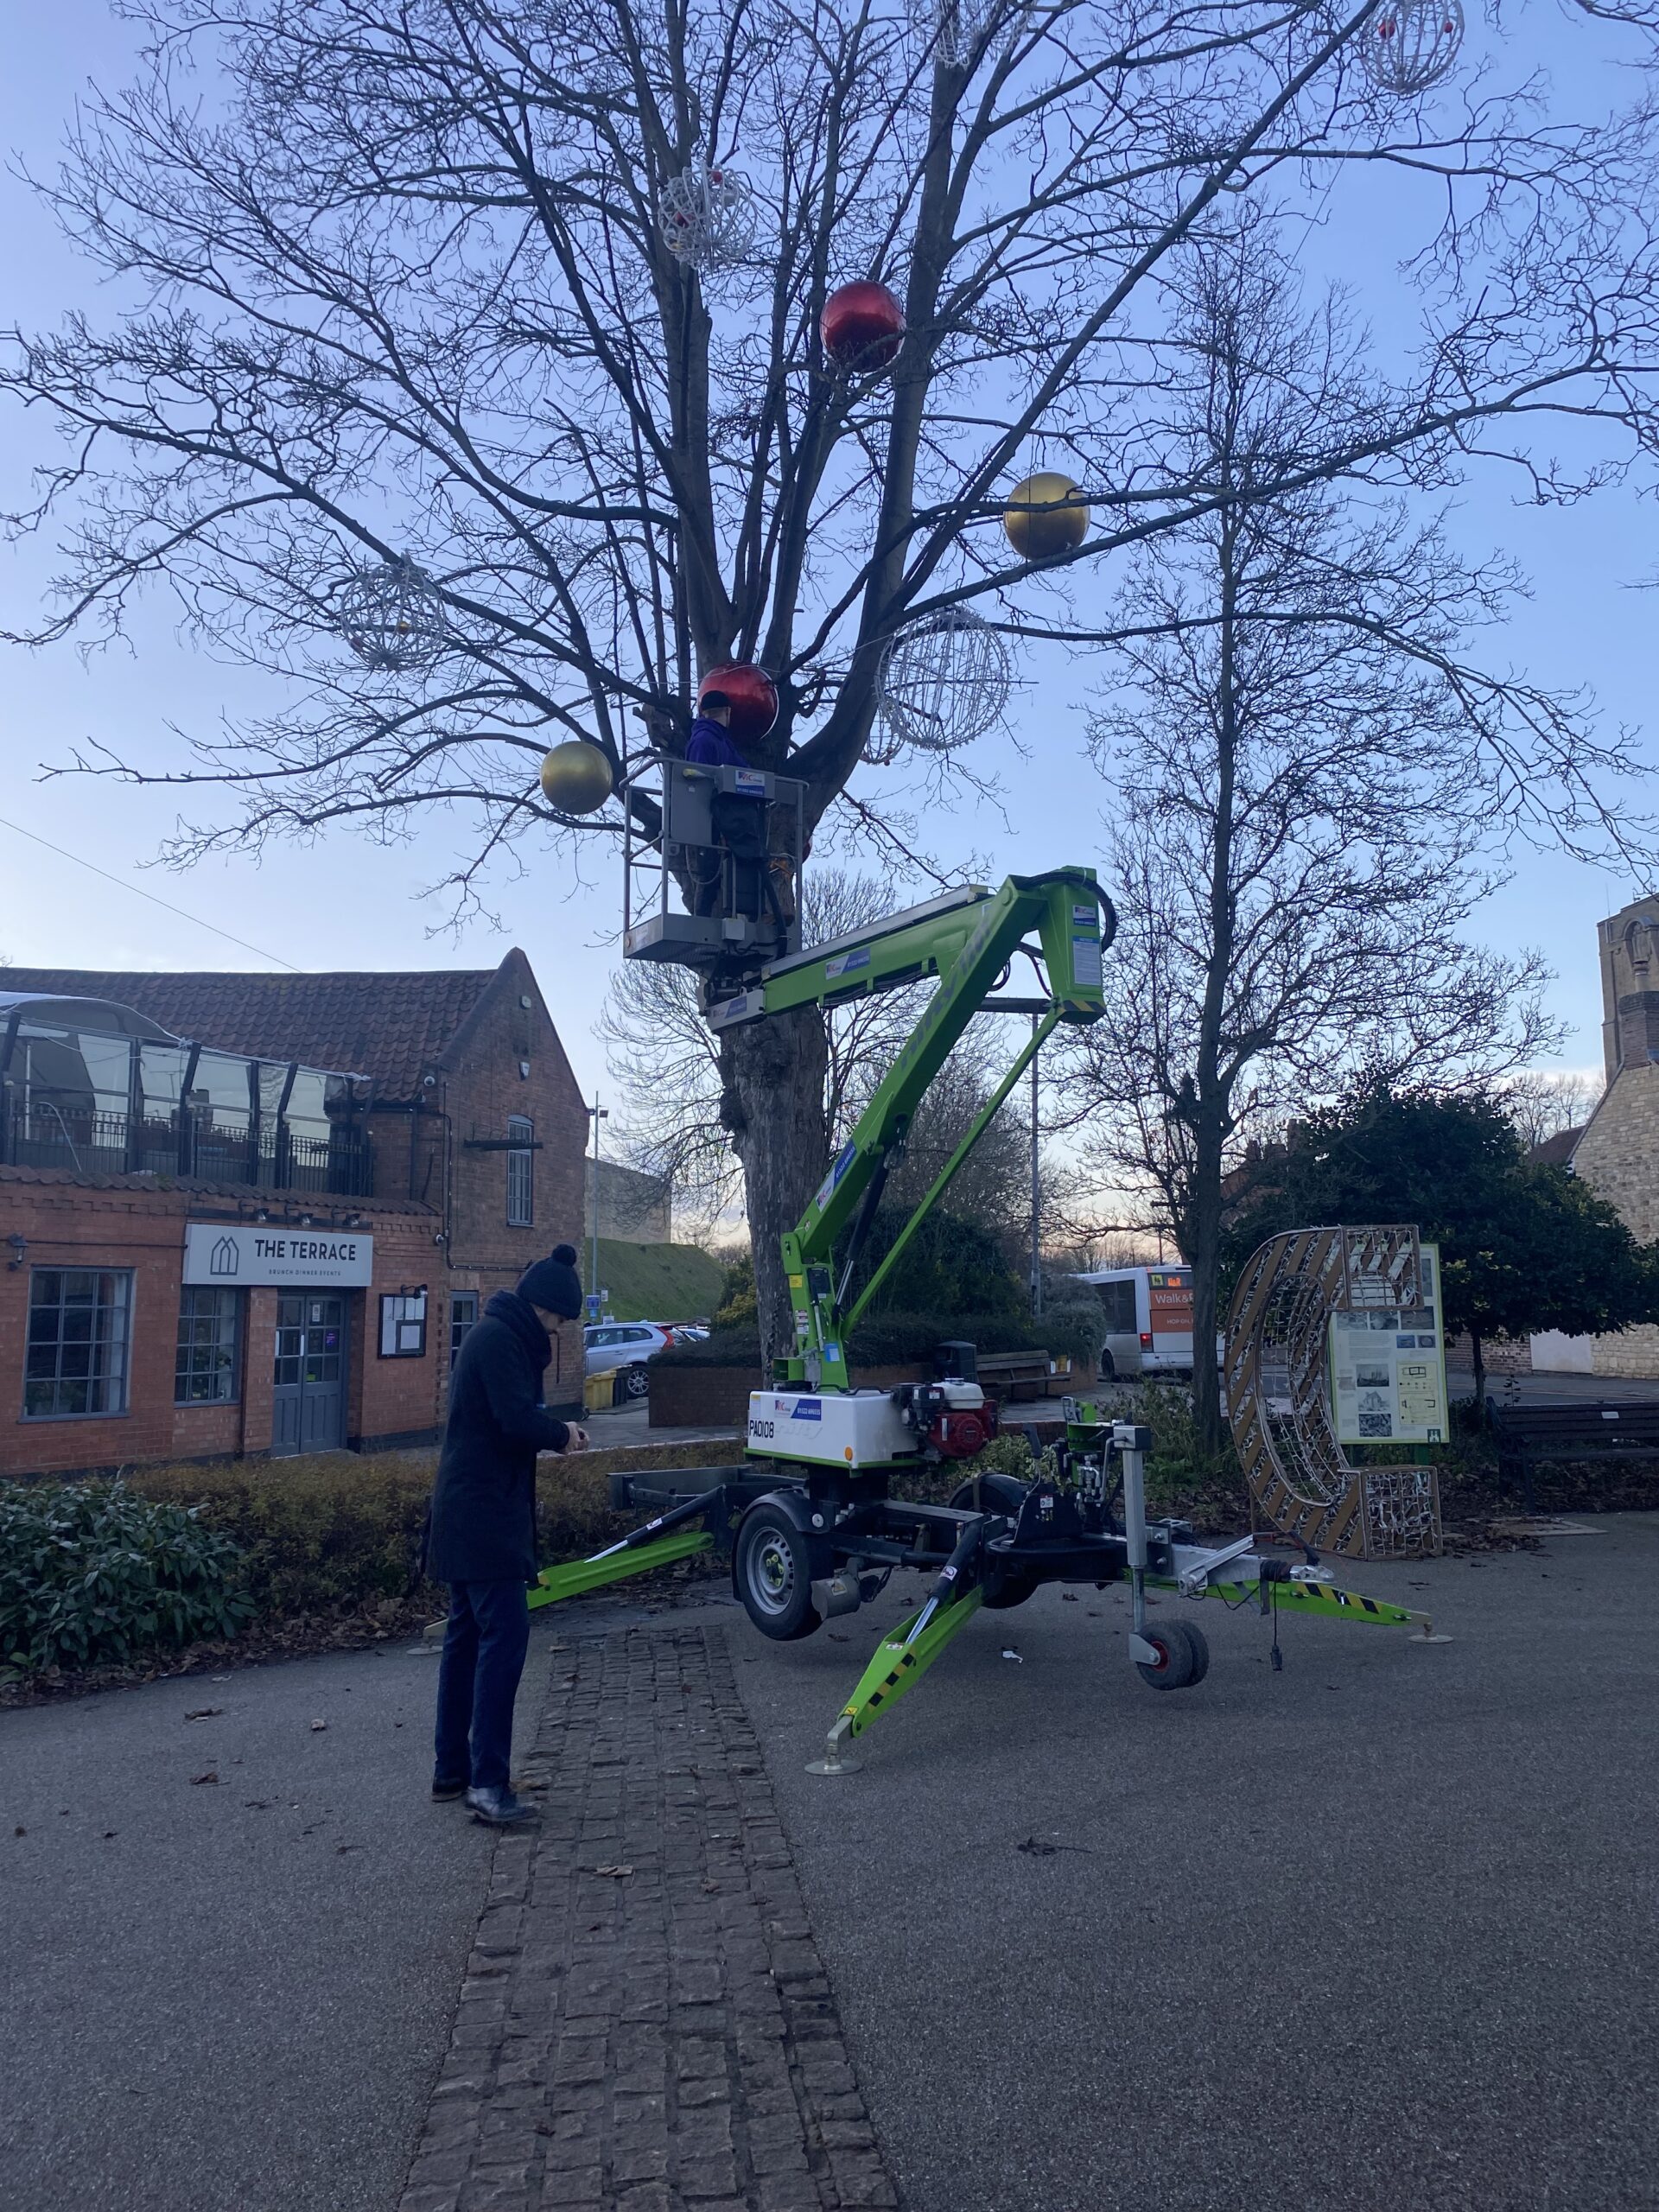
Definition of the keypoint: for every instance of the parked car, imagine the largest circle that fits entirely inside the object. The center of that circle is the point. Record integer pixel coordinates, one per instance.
(627, 1345)
(1147, 1314)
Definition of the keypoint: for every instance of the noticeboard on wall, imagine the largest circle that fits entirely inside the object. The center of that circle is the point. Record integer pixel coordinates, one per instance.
(1388, 1367)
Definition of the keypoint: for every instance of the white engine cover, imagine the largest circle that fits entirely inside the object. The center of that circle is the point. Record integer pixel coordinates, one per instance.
(853, 1429)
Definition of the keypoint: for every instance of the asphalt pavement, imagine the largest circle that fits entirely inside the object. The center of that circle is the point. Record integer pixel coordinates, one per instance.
(230, 1948)
(1375, 1931)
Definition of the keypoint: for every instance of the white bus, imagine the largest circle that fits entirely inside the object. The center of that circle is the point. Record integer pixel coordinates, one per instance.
(1148, 1317)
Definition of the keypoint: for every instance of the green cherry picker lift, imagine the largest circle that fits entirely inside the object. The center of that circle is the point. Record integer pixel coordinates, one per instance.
(811, 1520)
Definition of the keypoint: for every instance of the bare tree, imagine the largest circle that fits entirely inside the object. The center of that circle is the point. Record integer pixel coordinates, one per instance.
(1311, 786)
(677, 1076)
(1544, 1103)
(407, 295)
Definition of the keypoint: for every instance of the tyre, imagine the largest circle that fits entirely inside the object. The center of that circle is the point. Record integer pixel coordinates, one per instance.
(636, 1382)
(997, 1494)
(772, 1566)
(1183, 1660)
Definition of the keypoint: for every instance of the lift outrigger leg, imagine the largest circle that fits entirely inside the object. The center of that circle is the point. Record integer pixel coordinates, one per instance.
(900, 1661)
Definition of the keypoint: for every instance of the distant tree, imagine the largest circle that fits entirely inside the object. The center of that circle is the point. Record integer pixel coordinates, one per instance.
(1523, 1246)
(1310, 780)
(952, 1265)
(1544, 1101)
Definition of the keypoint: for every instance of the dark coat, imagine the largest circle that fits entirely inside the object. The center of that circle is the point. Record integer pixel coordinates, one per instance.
(482, 1527)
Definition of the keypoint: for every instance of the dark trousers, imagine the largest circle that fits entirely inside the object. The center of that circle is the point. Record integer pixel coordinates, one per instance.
(484, 1647)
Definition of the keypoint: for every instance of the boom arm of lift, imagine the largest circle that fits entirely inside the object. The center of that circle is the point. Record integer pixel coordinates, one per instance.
(967, 940)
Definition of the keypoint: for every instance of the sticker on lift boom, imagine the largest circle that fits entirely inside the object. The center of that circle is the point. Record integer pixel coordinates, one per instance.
(1085, 961)
(750, 781)
(847, 964)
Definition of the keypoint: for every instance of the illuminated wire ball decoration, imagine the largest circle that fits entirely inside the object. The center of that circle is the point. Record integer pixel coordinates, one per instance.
(391, 617)
(707, 217)
(952, 28)
(945, 682)
(1407, 47)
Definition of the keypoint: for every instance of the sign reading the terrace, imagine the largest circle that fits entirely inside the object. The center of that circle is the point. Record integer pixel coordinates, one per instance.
(261, 1254)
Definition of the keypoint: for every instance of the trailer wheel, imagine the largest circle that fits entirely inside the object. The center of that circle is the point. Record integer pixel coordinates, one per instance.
(1184, 1657)
(773, 1573)
(997, 1494)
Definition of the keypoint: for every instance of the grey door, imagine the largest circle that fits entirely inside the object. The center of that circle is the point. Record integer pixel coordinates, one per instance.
(308, 1399)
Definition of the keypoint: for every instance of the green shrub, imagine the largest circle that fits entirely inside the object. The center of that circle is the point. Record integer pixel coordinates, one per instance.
(90, 1573)
(901, 1339)
(340, 1533)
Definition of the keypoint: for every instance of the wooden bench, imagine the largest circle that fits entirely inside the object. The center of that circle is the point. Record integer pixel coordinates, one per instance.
(1595, 1428)
(1013, 1374)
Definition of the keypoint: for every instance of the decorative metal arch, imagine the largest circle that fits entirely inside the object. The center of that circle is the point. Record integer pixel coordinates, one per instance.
(1277, 1377)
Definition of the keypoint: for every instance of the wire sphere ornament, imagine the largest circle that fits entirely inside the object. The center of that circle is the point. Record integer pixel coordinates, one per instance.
(1408, 45)
(391, 617)
(707, 217)
(944, 682)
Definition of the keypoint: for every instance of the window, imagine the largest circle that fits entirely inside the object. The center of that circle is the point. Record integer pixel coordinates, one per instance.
(521, 1203)
(403, 1324)
(463, 1318)
(80, 1328)
(205, 1373)
(1118, 1300)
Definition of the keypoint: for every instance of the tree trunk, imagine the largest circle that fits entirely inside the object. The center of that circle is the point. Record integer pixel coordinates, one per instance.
(773, 1106)
(1204, 1256)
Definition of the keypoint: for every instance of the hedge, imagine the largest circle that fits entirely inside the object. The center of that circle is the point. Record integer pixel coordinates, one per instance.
(891, 1339)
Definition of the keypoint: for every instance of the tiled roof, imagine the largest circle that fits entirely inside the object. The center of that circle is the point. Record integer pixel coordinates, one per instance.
(280, 1206)
(1556, 1151)
(392, 1026)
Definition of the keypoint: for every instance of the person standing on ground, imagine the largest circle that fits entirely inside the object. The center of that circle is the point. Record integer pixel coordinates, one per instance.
(481, 1530)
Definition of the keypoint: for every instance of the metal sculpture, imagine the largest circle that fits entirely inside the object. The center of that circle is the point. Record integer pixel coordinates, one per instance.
(391, 617)
(1279, 1393)
(707, 217)
(1408, 45)
(945, 682)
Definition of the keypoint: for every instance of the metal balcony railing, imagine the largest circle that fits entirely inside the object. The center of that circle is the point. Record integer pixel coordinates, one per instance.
(40, 1133)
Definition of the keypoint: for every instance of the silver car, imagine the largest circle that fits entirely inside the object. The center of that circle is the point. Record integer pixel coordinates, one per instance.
(627, 1345)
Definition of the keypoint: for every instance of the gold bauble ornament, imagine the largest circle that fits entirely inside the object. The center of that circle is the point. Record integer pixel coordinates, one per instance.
(1035, 535)
(576, 777)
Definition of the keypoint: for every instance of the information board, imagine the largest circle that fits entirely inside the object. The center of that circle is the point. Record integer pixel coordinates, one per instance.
(1388, 1367)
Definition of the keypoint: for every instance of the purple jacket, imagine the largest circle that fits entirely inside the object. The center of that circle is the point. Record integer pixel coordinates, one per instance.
(710, 745)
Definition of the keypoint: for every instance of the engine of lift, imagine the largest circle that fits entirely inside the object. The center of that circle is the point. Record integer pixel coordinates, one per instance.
(863, 1430)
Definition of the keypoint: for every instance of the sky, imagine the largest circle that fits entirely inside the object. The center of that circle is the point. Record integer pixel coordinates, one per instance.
(345, 903)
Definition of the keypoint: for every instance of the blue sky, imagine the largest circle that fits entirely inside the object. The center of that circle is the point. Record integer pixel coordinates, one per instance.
(343, 903)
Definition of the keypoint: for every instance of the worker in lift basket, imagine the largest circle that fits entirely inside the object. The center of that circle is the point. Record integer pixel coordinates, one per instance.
(481, 1530)
(741, 825)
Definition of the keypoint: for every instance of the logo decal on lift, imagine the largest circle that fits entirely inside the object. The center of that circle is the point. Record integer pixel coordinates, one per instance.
(807, 1409)
(749, 780)
(827, 1188)
(847, 964)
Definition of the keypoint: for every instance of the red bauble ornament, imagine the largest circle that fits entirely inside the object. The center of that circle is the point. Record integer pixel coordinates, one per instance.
(863, 328)
(753, 694)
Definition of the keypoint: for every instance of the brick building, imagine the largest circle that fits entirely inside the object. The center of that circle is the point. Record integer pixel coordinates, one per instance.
(259, 1213)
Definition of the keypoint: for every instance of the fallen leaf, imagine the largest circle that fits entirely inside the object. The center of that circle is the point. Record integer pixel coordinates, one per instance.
(1008, 1652)
(615, 1873)
(205, 1712)
(315, 1725)
(197, 1779)
(19, 1831)
(257, 1804)
(339, 1847)
(1039, 1847)
(110, 1834)
(1068, 1597)
(834, 1638)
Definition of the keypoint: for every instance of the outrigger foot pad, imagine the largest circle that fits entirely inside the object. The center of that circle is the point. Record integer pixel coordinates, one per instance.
(836, 1759)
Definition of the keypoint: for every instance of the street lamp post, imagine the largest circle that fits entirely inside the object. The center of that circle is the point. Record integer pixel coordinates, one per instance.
(596, 1114)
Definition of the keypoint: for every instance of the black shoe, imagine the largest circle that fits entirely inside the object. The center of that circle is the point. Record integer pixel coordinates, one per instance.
(499, 1809)
(443, 1791)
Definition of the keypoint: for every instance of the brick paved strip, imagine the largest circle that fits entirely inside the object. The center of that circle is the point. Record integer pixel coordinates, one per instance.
(657, 2040)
